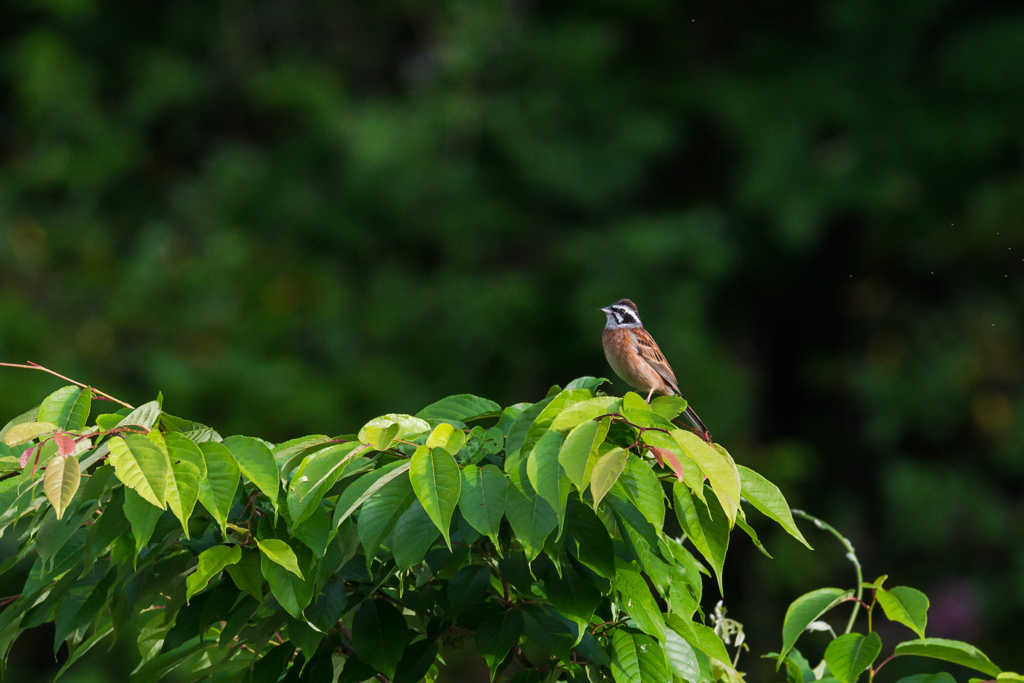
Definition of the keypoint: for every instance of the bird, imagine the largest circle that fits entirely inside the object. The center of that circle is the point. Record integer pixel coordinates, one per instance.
(637, 360)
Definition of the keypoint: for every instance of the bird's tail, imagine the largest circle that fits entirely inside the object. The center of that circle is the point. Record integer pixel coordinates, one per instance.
(702, 431)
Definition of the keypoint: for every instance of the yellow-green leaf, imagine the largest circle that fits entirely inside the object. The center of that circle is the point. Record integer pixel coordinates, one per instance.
(606, 472)
(280, 553)
(447, 437)
(188, 468)
(26, 431)
(217, 489)
(718, 467)
(437, 482)
(142, 466)
(578, 454)
(61, 481)
(257, 463)
(211, 562)
(905, 605)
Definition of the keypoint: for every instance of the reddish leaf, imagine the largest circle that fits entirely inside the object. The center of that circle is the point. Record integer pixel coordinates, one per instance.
(65, 444)
(25, 458)
(662, 455)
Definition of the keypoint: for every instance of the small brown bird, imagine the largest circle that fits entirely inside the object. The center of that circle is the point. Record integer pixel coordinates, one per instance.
(636, 358)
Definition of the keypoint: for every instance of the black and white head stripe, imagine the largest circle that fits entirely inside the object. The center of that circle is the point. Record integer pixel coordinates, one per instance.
(622, 313)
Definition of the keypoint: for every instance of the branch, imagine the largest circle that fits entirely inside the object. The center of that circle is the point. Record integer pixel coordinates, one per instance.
(36, 366)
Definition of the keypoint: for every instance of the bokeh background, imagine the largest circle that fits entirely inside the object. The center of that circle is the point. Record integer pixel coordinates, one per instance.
(293, 216)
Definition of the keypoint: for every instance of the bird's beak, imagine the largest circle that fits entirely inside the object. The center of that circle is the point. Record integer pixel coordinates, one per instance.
(605, 310)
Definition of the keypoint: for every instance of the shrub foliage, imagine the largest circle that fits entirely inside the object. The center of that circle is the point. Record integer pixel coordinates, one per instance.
(570, 538)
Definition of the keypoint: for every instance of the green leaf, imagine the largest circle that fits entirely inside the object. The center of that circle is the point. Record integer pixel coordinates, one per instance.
(468, 587)
(315, 476)
(413, 535)
(291, 591)
(584, 411)
(142, 466)
(483, 499)
(329, 605)
(849, 655)
(606, 473)
(437, 481)
(804, 610)
(378, 635)
(588, 539)
(951, 651)
(416, 661)
(364, 487)
(60, 482)
(257, 463)
(211, 562)
(905, 605)
(637, 658)
(669, 407)
(573, 596)
(579, 453)
(26, 431)
(766, 497)
(281, 553)
(496, 635)
(380, 437)
(708, 530)
(269, 667)
(382, 511)
(682, 659)
(639, 412)
(446, 437)
(515, 436)
(643, 488)
(188, 469)
(59, 407)
(217, 488)
(717, 467)
(543, 471)
(315, 531)
(530, 516)
(142, 516)
(701, 637)
(459, 409)
(636, 600)
(80, 411)
(550, 630)
(246, 573)
(587, 382)
(145, 415)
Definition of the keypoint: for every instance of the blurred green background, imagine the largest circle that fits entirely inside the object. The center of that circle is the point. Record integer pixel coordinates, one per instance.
(293, 216)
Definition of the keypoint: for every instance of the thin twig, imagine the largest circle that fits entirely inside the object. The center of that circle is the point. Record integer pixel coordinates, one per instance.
(851, 555)
(36, 366)
(884, 662)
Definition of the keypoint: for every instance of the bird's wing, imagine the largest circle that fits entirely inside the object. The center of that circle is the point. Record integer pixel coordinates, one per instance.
(649, 351)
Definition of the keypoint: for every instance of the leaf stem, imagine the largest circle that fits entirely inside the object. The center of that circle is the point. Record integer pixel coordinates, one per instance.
(851, 555)
(885, 661)
(36, 366)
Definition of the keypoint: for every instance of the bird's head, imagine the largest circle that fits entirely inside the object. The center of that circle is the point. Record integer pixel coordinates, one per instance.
(621, 314)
